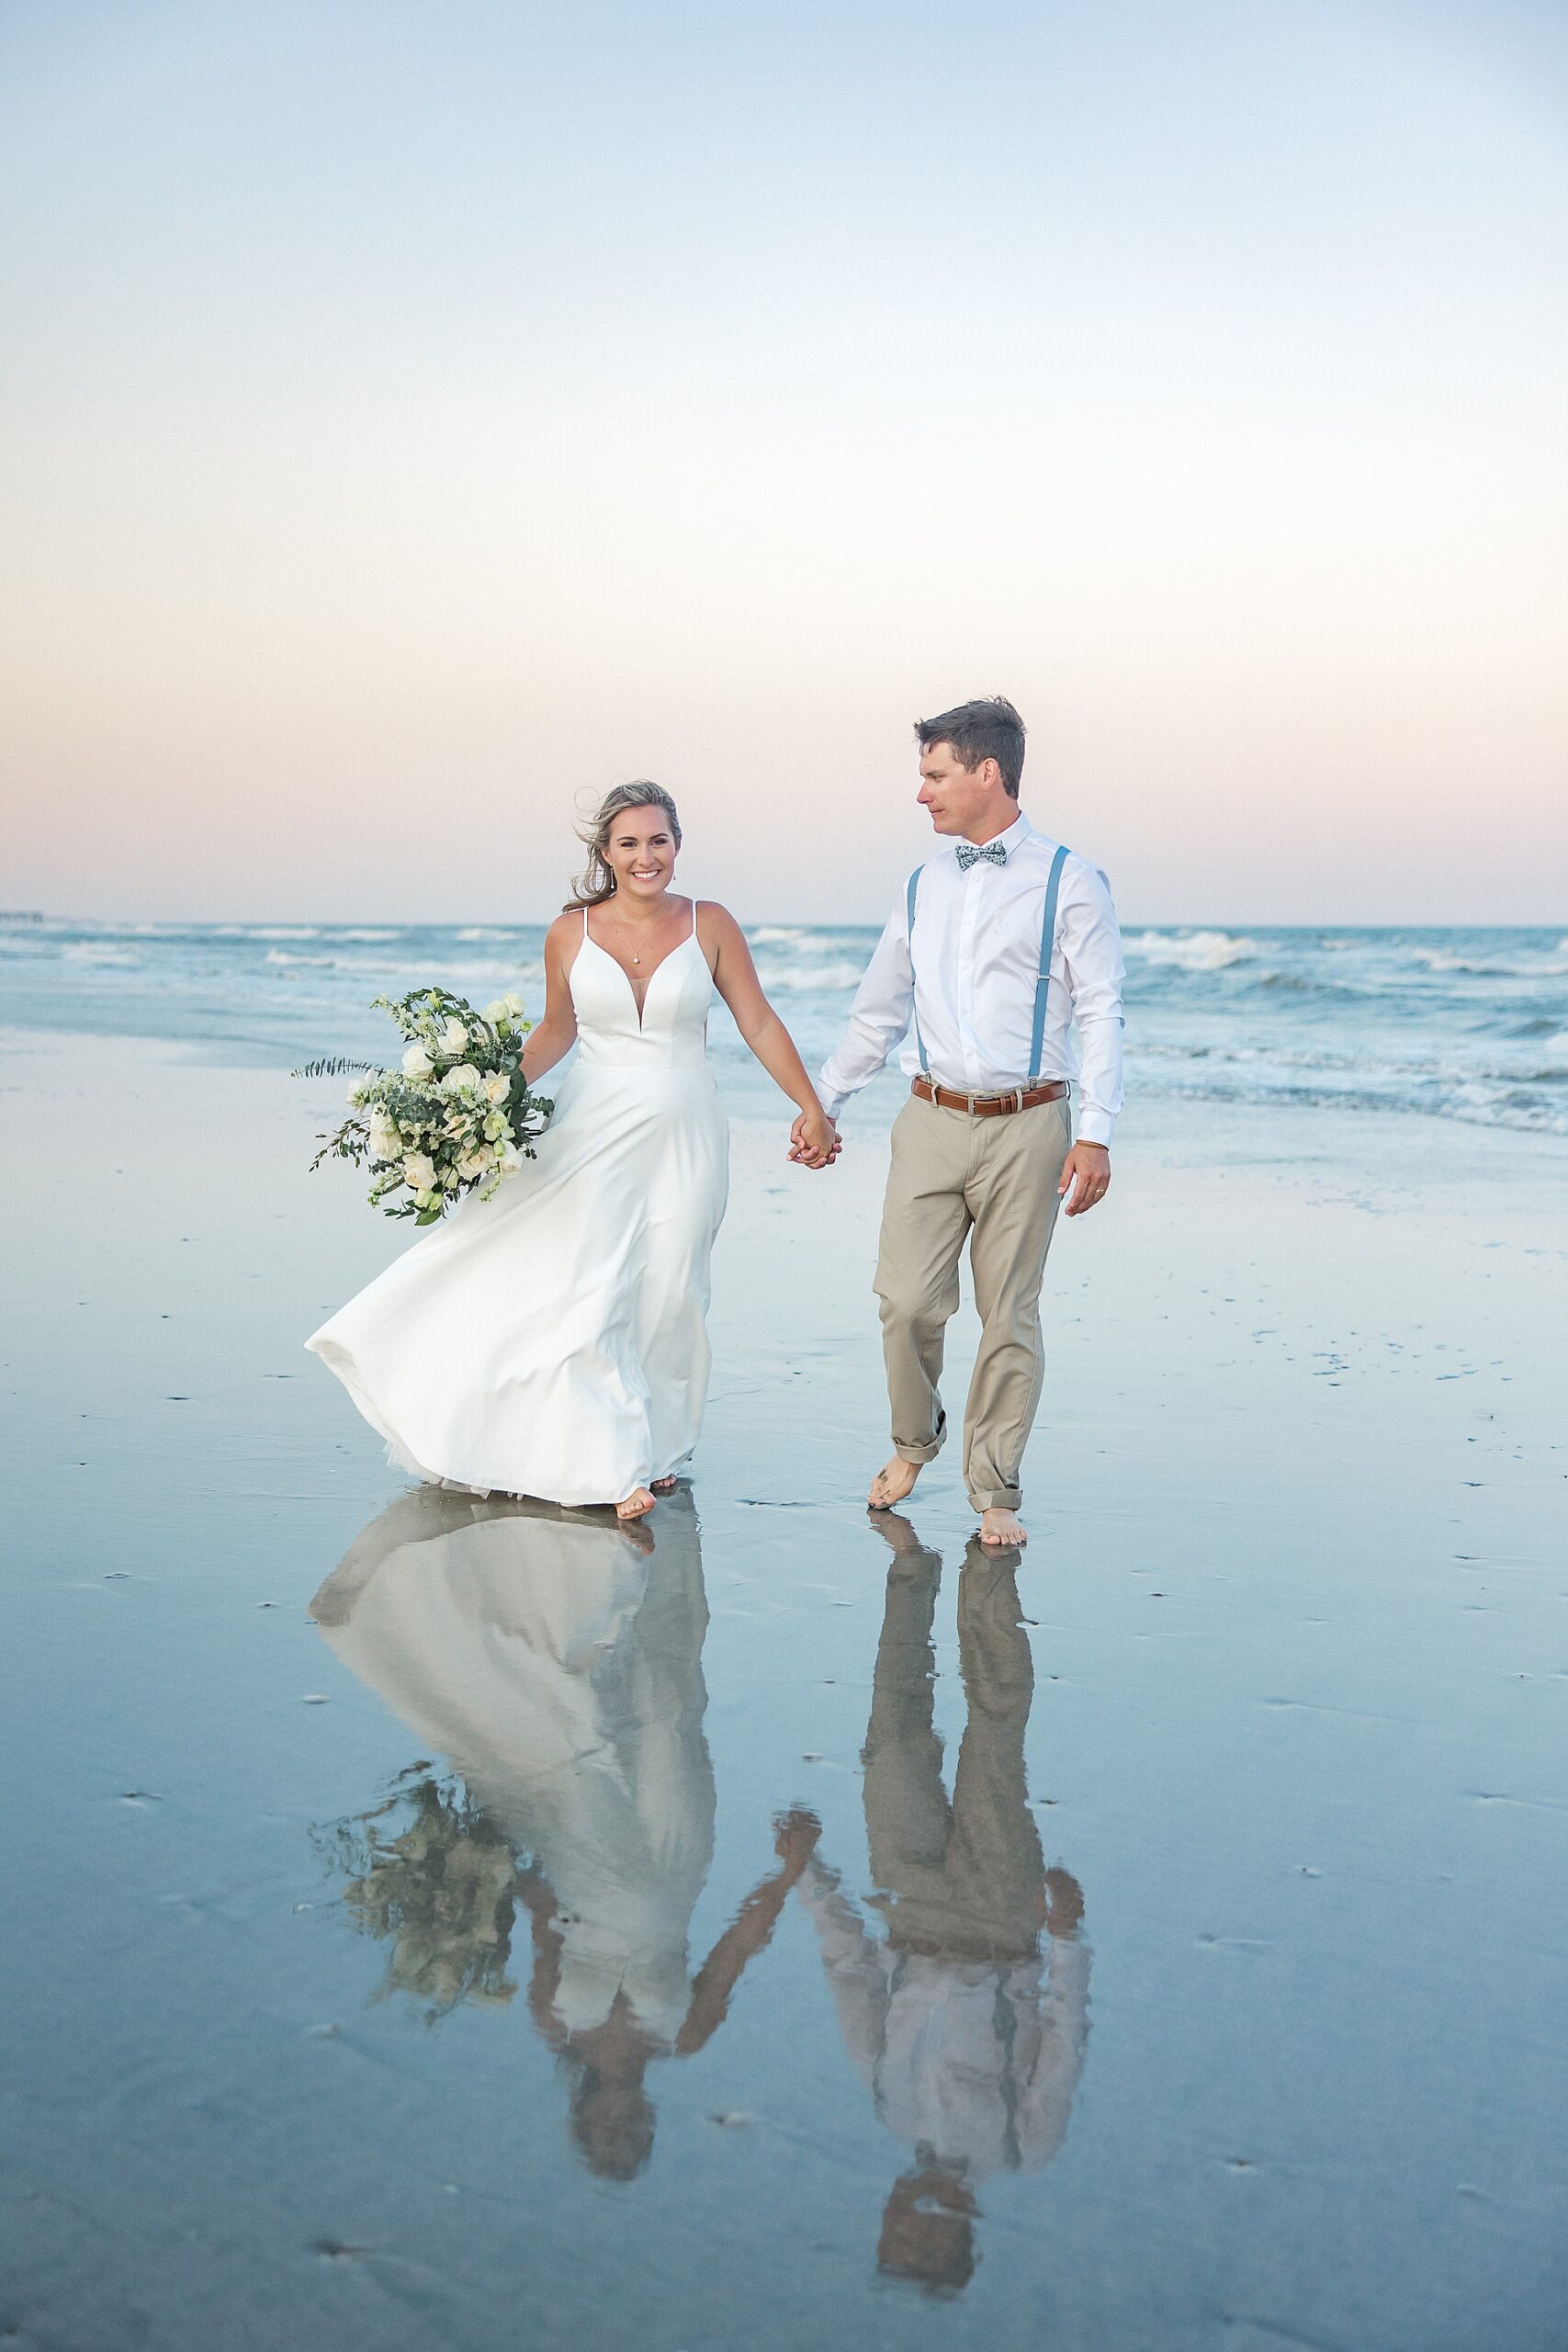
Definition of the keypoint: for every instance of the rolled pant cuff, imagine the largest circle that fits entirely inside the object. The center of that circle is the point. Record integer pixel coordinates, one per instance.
(917, 1452)
(996, 1497)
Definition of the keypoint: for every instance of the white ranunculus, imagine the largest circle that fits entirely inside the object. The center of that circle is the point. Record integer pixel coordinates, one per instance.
(514, 1004)
(419, 1172)
(417, 1063)
(497, 1086)
(464, 1074)
(454, 1037)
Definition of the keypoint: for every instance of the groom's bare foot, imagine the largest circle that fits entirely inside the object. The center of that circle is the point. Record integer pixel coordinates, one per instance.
(637, 1505)
(1002, 1527)
(892, 1482)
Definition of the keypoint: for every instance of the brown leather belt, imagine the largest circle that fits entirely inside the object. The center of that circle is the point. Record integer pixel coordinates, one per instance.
(991, 1106)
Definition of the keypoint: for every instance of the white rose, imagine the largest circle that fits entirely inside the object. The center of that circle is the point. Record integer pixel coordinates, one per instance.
(417, 1063)
(496, 1088)
(385, 1141)
(514, 1004)
(464, 1074)
(472, 1164)
(419, 1172)
(454, 1037)
(507, 1159)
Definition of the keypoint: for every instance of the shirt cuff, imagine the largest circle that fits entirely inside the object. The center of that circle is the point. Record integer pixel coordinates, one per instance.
(1094, 1126)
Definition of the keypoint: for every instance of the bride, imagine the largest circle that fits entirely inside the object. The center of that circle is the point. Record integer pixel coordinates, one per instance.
(552, 1340)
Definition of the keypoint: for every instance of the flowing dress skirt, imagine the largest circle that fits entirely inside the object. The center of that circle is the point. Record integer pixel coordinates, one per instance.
(552, 1340)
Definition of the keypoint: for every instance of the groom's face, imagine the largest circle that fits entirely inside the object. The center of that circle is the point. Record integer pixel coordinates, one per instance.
(954, 796)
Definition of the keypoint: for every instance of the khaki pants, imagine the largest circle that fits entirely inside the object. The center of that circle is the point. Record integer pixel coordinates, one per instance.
(965, 1881)
(992, 1182)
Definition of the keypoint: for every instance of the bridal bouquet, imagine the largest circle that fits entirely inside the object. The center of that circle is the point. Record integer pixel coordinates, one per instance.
(454, 1118)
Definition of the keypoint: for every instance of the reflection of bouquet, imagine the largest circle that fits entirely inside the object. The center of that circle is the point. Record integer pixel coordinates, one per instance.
(457, 1117)
(438, 1884)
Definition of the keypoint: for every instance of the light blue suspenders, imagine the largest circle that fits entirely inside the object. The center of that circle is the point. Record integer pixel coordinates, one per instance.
(1047, 942)
(1042, 980)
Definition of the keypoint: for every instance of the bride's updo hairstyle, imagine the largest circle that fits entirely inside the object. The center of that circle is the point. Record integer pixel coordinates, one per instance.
(597, 882)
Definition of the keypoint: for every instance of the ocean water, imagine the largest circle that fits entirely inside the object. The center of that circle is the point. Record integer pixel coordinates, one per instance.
(1464, 1024)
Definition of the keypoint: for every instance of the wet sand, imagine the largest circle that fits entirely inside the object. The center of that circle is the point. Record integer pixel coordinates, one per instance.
(790, 1929)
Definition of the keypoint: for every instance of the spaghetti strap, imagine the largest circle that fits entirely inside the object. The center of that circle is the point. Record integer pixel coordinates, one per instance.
(585, 922)
(694, 918)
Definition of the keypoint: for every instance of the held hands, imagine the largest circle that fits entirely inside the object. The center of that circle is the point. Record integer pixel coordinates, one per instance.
(794, 1838)
(1086, 1176)
(814, 1140)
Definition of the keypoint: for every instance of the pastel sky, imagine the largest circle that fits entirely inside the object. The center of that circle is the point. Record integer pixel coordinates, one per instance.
(422, 413)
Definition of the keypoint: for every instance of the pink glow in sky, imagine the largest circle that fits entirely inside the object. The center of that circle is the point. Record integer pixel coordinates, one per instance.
(418, 415)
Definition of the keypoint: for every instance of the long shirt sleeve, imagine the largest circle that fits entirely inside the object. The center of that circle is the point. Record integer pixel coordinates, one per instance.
(879, 1017)
(1089, 944)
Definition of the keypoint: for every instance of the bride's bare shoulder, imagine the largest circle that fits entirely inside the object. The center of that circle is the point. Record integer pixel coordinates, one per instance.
(716, 922)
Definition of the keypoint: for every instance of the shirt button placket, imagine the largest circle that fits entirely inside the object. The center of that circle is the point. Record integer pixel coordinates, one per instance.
(973, 888)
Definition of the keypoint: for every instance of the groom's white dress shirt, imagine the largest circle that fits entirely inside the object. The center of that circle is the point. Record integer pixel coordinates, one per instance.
(971, 983)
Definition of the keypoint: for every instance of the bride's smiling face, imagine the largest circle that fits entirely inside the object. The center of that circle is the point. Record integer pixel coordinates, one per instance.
(640, 853)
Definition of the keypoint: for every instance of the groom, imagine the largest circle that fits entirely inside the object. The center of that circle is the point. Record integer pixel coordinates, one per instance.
(996, 945)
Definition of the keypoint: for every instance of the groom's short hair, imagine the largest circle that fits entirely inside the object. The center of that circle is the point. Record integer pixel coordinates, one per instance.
(987, 729)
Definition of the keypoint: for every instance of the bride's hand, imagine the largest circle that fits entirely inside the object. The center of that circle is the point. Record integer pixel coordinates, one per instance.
(814, 1140)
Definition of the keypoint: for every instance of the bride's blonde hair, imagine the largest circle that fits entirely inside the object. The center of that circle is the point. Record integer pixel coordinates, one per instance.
(597, 882)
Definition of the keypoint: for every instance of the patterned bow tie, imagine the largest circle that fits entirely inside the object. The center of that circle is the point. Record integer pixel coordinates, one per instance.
(992, 852)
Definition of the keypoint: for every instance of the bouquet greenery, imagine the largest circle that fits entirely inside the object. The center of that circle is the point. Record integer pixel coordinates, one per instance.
(456, 1116)
(432, 1875)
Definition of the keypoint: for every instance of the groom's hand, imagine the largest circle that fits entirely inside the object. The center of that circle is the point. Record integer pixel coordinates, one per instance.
(1086, 1177)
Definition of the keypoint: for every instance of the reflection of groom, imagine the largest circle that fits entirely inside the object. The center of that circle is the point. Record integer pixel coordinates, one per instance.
(997, 944)
(970, 2047)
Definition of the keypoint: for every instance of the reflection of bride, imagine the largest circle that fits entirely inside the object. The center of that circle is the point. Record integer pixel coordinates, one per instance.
(556, 1660)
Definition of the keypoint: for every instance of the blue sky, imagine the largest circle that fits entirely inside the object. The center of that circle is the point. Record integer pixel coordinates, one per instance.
(419, 416)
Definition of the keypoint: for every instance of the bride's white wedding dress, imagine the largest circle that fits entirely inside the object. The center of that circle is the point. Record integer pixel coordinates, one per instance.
(552, 1340)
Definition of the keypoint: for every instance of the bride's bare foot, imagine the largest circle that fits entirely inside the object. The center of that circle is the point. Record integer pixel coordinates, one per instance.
(892, 1482)
(1002, 1527)
(637, 1505)
(665, 1486)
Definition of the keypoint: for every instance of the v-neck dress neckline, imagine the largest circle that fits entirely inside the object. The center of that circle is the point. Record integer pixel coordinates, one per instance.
(640, 1008)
